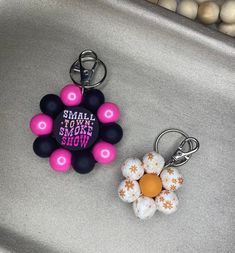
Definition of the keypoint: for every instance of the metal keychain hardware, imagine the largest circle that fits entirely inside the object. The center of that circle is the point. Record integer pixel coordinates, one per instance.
(87, 74)
(180, 157)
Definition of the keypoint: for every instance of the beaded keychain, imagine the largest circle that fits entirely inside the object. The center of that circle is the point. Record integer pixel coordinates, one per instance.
(150, 183)
(78, 128)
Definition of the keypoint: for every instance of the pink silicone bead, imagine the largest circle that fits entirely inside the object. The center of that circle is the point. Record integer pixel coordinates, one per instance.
(41, 124)
(60, 160)
(104, 152)
(108, 113)
(71, 95)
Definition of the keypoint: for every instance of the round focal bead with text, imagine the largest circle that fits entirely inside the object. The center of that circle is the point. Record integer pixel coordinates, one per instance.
(76, 128)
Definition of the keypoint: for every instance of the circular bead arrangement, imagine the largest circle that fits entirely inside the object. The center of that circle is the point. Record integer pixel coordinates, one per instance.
(76, 129)
(149, 186)
(206, 12)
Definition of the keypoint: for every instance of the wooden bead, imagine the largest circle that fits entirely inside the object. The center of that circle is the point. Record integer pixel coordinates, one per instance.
(228, 29)
(208, 12)
(153, 1)
(168, 4)
(188, 8)
(201, 1)
(227, 13)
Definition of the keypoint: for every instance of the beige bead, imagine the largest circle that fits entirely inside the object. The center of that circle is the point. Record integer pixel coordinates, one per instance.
(208, 12)
(201, 1)
(153, 1)
(168, 4)
(188, 8)
(228, 29)
(227, 13)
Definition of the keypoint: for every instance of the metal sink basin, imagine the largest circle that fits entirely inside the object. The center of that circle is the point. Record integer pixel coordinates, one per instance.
(164, 71)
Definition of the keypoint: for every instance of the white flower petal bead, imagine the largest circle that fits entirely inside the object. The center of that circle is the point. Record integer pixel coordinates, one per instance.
(228, 29)
(132, 168)
(227, 13)
(188, 8)
(129, 190)
(168, 4)
(171, 179)
(153, 162)
(144, 207)
(167, 202)
(208, 12)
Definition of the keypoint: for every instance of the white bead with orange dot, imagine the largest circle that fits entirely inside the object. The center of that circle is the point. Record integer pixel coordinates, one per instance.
(129, 190)
(153, 162)
(132, 168)
(171, 179)
(167, 202)
(144, 207)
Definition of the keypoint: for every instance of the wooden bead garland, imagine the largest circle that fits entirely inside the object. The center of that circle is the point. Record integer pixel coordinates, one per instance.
(207, 12)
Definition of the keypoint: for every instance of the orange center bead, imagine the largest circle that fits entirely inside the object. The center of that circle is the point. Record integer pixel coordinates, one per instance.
(150, 185)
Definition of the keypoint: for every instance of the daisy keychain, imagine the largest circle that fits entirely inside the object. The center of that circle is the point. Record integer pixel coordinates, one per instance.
(150, 184)
(78, 128)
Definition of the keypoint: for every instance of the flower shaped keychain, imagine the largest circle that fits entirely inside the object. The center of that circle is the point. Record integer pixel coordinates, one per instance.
(78, 127)
(150, 184)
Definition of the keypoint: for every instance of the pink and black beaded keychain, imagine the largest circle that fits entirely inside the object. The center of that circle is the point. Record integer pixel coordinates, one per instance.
(78, 128)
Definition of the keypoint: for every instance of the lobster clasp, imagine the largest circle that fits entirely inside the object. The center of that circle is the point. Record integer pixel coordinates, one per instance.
(86, 79)
(182, 154)
(180, 157)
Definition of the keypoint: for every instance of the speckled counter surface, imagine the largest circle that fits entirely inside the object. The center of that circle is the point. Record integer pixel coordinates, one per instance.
(164, 71)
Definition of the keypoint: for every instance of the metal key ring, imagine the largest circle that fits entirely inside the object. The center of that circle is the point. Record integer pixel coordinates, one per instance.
(180, 157)
(86, 75)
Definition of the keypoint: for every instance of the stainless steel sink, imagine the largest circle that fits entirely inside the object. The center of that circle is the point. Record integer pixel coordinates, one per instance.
(164, 71)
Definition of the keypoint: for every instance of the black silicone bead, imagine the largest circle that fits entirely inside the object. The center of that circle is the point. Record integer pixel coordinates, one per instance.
(43, 146)
(51, 105)
(111, 133)
(83, 162)
(93, 99)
